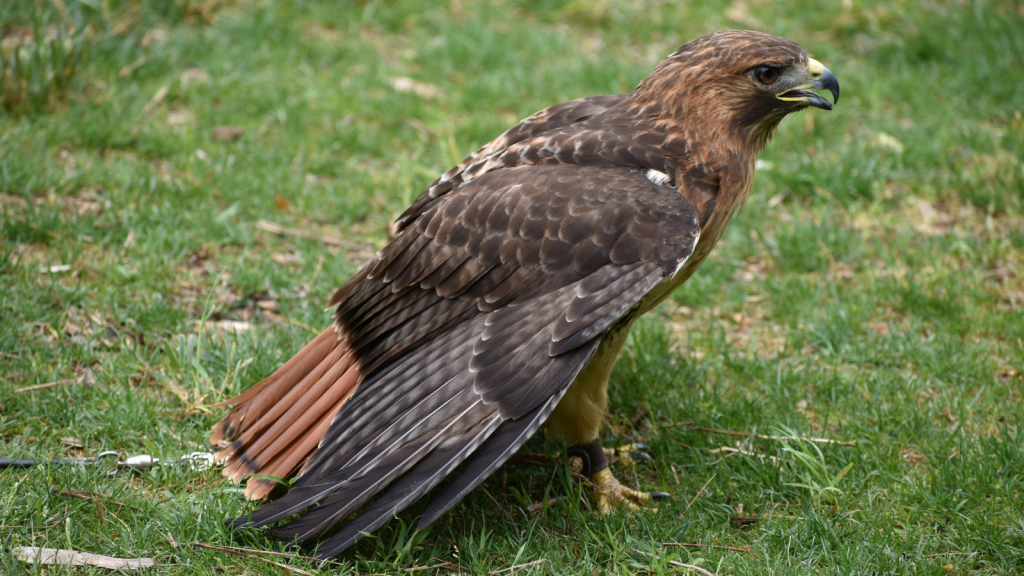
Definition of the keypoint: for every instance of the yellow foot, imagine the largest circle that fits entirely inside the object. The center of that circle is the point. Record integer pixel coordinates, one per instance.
(609, 492)
(627, 455)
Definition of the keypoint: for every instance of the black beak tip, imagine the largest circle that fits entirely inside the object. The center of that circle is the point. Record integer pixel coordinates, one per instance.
(828, 82)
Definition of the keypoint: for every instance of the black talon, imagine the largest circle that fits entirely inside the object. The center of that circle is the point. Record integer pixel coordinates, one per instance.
(659, 496)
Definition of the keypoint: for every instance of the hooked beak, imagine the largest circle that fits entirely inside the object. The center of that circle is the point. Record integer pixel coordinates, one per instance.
(823, 80)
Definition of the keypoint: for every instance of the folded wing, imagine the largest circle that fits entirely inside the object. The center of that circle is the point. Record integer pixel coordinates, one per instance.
(468, 329)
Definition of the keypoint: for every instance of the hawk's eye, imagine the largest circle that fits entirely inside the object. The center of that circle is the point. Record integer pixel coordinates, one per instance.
(767, 74)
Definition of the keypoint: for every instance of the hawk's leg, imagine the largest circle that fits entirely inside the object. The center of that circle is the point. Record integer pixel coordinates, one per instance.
(577, 419)
(592, 461)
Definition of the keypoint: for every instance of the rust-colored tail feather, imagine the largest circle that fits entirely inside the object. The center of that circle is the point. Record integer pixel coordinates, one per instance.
(280, 417)
(255, 401)
(280, 421)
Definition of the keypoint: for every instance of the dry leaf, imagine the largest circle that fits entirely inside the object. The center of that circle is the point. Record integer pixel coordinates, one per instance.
(232, 326)
(330, 34)
(887, 141)
(191, 75)
(34, 555)
(275, 228)
(534, 508)
(285, 259)
(637, 419)
(228, 132)
(912, 457)
(155, 101)
(80, 494)
(128, 69)
(72, 442)
(739, 12)
(421, 89)
(153, 36)
(197, 258)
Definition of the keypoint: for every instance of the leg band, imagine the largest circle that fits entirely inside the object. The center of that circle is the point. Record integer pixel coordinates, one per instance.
(592, 456)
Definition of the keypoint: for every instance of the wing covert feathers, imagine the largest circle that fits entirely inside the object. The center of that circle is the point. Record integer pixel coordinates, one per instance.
(455, 342)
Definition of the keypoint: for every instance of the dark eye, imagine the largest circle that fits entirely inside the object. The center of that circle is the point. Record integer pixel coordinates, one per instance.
(767, 74)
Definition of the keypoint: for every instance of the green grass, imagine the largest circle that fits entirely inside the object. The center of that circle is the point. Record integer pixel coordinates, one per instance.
(870, 291)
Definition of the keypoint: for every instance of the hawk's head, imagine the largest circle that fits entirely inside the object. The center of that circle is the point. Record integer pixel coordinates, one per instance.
(739, 82)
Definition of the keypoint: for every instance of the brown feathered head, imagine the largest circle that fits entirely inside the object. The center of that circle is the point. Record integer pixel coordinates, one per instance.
(738, 83)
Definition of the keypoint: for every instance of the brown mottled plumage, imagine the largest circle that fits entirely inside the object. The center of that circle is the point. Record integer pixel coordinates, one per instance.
(505, 299)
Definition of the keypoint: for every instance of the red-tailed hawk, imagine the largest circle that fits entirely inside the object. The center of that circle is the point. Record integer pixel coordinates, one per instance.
(505, 299)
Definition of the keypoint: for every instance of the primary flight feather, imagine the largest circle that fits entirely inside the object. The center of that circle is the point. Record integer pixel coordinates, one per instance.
(509, 291)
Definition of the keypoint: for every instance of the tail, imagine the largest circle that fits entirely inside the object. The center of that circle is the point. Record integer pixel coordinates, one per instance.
(277, 424)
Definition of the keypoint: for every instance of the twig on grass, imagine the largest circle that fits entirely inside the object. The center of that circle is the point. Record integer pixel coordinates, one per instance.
(170, 539)
(700, 492)
(285, 320)
(730, 451)
(534, 459)
(518, 567)
(534, 508)
(636, 420)
(448, 565)
(275, 228)
(116, 517)
(34, 555)
(45, 526)
(316, 271)
(287, 568)
(674, 424)
(496, 504)
(769, 437)
(697, 569)
(712, 546)
(67, 382)
(92, 496)
(236, 550)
